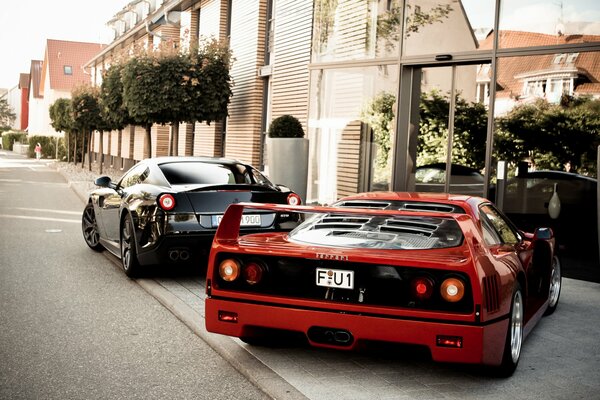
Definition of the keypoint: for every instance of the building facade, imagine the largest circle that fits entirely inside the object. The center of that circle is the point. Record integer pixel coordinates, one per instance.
(340, 67)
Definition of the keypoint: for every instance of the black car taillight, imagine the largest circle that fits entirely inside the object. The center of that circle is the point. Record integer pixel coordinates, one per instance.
(166, 202)
(294, 200)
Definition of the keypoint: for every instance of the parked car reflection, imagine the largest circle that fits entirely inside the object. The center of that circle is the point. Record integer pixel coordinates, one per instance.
(463, 180)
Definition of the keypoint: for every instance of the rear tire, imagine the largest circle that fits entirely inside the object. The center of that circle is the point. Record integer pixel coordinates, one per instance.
(555, 286)
(129, 259)
(514, 335)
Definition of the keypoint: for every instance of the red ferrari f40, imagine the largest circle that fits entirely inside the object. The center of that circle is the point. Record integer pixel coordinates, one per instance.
(447, 272)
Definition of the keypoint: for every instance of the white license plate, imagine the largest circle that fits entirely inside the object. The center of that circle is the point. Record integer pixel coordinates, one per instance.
(247, 220)
(335, 278)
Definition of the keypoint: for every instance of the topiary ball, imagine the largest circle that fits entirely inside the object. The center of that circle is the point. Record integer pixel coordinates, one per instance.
(286, 126)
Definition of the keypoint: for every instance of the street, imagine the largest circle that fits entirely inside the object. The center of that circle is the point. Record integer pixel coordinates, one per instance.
(73, 326)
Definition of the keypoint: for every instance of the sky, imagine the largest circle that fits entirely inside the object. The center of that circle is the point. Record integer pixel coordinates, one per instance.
(26, 25)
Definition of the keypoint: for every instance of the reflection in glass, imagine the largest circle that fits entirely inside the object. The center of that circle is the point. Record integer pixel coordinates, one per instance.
(459, 124)
(547, 112)
(356, 29)
(351, 125)
(559, 22)
(446, 26)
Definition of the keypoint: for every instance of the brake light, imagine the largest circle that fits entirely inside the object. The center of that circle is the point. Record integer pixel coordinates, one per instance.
(422, 288)
(294, 200)
(449, 341)
(166, 202)
(229, 270)
(253, 272)
(452, 290)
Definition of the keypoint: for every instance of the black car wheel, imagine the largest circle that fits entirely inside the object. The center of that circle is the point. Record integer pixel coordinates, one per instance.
(555, 285)
(89, 228)
(128, 248)
(514, 336)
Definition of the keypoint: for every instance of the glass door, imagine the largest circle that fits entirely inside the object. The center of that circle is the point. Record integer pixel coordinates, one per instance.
(448, 114)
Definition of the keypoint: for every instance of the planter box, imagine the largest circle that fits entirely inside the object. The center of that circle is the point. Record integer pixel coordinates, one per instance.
(287, 160)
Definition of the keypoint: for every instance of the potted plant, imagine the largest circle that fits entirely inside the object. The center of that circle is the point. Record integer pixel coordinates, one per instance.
(287, 154)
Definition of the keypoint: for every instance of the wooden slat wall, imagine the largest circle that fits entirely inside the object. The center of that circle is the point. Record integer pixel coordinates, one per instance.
(207, 140)
(186, 139)
(348, 160)
(160, 140)
(293, 30)
(115, 143)
(138, 148)
(210, 22)
(247, 42)
(125, 143)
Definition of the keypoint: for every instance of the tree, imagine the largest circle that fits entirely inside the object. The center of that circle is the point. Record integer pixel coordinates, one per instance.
(87, 115)
(169, 88)
(62, 120)
(7, 115)
(551, 134)
(470, 131)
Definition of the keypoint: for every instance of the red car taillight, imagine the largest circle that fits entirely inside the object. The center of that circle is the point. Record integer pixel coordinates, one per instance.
(166, 202)
(253, 272)
(422, 288)
(294, 200)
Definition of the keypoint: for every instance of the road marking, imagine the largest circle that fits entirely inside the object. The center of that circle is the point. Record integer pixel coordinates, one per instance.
(45, 210)
(71, 221)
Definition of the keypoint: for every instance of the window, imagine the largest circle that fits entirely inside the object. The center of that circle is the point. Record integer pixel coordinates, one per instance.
(134, 176)
(68, 70)
(496, 230)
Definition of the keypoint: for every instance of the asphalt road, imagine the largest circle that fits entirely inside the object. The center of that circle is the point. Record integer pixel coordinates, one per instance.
(72, 326)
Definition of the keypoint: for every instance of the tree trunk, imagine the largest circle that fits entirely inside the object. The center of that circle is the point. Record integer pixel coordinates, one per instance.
(75, 149)
(83, 149)
(174, 139)
(89, 150)
(68, 134)
(101, 150)
(148, 142)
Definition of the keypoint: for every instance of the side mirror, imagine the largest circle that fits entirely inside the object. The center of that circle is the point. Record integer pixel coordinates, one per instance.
(103, 181)
(543, 234)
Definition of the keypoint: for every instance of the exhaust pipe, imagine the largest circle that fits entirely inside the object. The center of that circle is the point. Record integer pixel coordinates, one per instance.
(174, 255)
(184, 255)
(330, 336)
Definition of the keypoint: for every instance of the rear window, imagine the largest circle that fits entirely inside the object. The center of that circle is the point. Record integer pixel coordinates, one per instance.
(199, 173)
(376, 232)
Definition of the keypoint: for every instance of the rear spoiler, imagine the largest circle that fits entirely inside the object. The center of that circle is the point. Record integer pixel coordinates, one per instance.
(229, 228)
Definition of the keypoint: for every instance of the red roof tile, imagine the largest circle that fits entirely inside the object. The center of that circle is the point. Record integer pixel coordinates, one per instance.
(511, 69)
(63, 53)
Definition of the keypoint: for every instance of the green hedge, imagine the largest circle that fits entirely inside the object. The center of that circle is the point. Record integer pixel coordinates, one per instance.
(9, 138)
(48, 144)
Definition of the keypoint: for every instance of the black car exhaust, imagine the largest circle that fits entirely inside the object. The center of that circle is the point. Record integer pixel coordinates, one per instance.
(174, 255)
(332, 336)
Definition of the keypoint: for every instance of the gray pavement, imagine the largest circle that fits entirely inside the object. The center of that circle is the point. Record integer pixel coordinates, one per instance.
(560, 359)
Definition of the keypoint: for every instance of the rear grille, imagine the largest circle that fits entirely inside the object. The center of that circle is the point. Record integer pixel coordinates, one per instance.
(492, 295)
(380, 205)
(428, 207)
(341, 222)
(374, 284)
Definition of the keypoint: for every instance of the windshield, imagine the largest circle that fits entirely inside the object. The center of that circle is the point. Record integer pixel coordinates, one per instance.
(201, 173)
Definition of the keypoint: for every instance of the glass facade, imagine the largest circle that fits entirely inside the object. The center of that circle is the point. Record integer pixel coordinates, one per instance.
(430, 95)
(351, 127)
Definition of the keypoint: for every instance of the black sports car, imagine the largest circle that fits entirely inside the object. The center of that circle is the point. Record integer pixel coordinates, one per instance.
(166, 210)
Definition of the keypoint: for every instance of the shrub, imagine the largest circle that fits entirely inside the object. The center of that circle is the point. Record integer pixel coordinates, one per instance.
(48, 144)
(286, 126)
(9, 138)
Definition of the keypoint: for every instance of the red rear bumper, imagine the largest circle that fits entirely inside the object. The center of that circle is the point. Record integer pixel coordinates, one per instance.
(481, 344)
